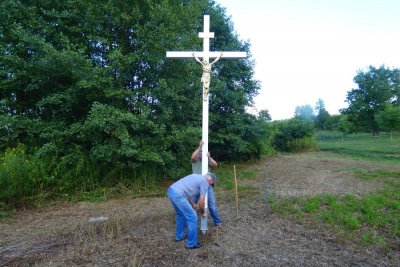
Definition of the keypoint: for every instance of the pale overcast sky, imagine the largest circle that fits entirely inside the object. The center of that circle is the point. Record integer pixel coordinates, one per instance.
(307, 49)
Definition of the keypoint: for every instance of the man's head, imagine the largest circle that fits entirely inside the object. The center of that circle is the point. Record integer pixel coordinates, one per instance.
(213, 177)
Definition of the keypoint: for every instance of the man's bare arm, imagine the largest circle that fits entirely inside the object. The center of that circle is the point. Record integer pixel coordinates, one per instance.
(201, 205)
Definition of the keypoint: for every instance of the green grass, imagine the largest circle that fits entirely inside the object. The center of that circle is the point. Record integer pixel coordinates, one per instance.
(365, 146)
(375, 216)
(329, 135)
(225, 174)
(372, 219)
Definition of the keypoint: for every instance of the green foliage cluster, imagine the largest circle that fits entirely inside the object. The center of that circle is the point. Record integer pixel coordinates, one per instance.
(373, 106)
(378, 89)
(294, 135)
(20, 177)
(86, 88)
(32, 179)
(305, 112)
(389, 119)
(324, 121)
(305, 144)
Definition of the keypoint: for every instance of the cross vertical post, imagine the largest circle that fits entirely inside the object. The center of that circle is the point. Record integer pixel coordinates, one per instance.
(206, 35)
(205, 55)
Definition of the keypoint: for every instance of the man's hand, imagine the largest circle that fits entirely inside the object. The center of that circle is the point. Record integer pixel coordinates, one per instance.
(201, 143)
(194, 205)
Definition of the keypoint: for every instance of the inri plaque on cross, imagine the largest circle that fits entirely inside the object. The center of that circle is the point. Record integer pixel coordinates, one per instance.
(206, 54)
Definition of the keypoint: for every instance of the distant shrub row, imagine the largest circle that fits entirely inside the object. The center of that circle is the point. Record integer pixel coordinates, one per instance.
(295, 135)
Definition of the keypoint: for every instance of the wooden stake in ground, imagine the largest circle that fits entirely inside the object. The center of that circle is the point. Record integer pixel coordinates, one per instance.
(236, 191)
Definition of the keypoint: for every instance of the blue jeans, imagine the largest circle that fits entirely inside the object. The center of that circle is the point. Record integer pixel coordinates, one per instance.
(184, 213)
(212, 207)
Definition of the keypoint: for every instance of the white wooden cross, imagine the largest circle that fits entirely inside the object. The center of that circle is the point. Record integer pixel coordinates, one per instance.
(205, 55)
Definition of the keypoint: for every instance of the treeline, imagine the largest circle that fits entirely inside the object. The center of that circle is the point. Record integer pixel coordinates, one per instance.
(373, 106)
(88, 98)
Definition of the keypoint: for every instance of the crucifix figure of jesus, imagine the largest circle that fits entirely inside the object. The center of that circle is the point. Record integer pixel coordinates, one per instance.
(206, 78)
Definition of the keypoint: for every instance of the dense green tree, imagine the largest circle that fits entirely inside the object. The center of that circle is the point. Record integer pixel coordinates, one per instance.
(90, 78)
(319, 105)
(344, 125)
(376, 88)
(304, 112)
(264, 115)
(323, 118)
(389, 119)
(333, 122)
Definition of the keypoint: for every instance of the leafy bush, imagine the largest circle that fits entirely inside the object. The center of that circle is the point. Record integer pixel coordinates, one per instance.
(294, 135)
(31, 179)
(307, 143)
(20, 176)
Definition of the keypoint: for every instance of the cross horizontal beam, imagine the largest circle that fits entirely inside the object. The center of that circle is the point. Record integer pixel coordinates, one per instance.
(188, 54)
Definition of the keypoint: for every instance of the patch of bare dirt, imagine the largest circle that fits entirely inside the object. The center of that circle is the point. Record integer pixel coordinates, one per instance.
(314, 173)
(140, 232)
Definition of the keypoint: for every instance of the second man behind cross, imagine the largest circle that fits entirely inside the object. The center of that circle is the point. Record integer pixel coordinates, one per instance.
(196, 169)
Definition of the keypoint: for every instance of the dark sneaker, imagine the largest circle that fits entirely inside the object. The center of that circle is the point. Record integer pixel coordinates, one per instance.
(179, 240)
(198, 245)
